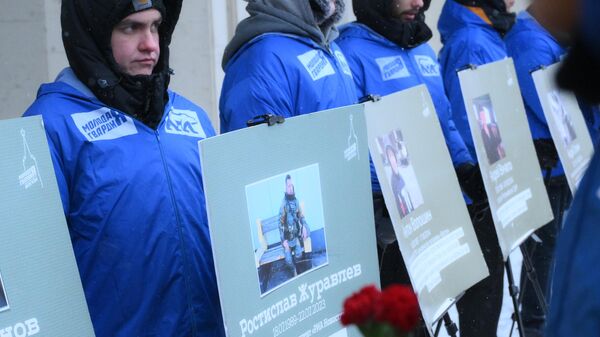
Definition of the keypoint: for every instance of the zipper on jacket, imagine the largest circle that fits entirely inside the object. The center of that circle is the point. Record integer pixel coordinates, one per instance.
(339, 70)
(186, 264)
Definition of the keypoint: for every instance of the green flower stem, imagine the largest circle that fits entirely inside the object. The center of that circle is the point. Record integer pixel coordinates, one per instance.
(376, 329)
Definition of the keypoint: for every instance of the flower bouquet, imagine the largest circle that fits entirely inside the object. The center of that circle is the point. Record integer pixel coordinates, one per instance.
(393, 312)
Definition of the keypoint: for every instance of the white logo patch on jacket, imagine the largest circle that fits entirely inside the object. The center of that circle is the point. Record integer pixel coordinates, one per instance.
(104, 124)
(343, 62)
(427, 66)
(185, 123)
(392, 68)
(317, 65)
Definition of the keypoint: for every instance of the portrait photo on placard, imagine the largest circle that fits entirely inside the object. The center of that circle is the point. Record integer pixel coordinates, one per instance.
(3, 298)
(562, 119)
(488, 126)
(287, 226)
(400, 173)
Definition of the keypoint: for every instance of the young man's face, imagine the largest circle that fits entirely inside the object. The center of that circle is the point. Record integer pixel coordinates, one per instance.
(509, 4)
(289, 187)
(331, 8)
(328, 9)
(406, 10)
(135, 43)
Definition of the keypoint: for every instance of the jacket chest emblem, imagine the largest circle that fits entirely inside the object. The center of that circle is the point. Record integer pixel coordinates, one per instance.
(392, 68)
(104, 124)
(316, 64)
(185, 123)
(427, 66)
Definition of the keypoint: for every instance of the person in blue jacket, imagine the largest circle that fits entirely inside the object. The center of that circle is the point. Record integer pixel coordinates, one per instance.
(125, 154)
(283, 61)
(387, 51)
(537, 41)
(471, 33)
(575, 302)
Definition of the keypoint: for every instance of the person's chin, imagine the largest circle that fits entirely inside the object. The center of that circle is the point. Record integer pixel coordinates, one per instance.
(141, 71)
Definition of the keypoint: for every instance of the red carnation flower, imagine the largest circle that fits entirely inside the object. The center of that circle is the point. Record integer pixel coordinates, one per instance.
(391, 313)
(399, 307)
(361, 306)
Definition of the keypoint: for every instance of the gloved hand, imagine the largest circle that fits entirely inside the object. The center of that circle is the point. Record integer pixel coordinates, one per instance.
(471, 182)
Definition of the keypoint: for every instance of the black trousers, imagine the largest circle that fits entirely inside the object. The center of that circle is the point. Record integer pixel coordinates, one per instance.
(542, 256)
(392, 269)
(479, 308)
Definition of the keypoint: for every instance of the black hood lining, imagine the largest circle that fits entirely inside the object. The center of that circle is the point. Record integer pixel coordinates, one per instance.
(502, 20)
(86, 32)
(376, 15)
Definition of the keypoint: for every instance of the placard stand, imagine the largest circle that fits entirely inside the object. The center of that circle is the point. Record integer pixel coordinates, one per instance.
(451, 327)
(513, 289)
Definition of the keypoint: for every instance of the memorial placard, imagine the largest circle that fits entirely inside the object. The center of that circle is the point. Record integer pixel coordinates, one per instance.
(509, 166)
(423, 197)
(291, 220)
(567, 126)
(40, 288)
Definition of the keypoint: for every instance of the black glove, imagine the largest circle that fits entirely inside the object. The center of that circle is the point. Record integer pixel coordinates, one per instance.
(546, 152)
(471, 182)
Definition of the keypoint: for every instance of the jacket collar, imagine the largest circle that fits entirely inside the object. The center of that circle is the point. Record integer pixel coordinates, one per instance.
(456, 16)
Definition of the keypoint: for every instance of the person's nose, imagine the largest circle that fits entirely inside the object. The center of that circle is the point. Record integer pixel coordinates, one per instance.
(418, 4)
(149, 41)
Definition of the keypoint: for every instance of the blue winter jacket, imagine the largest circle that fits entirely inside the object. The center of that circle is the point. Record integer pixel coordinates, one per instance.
(286, 75)
(467, 39)
(575, 307)
(381, 67)
(134, 204)
(531, 46)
